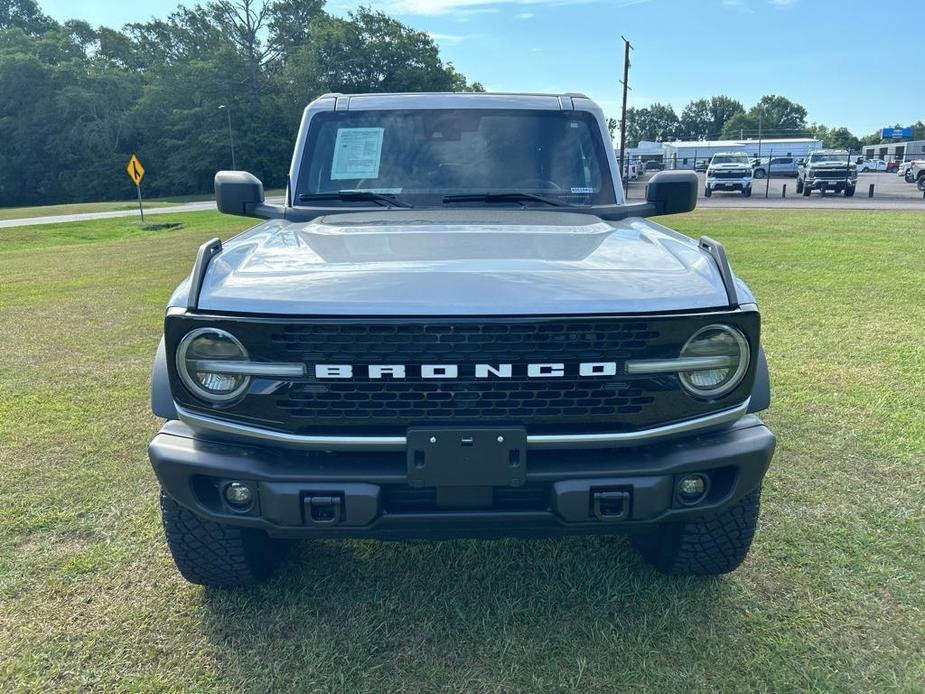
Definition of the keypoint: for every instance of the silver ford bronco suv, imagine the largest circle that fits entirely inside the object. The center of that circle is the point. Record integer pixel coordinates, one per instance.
(456, 326)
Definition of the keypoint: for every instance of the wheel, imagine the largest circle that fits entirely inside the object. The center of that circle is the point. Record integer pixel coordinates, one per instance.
(709, 546)
(806, 191)
(758, 173)
(849, 192)
(212, 554)
(799, 186)
(920, 183)
(747, 192)
(707, 192)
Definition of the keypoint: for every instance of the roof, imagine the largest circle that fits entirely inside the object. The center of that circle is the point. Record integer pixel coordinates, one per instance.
(577, 95)
(737, 143)
(436, 100)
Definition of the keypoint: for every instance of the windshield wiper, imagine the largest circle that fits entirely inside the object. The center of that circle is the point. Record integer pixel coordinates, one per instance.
(356, 196)
(505, 197)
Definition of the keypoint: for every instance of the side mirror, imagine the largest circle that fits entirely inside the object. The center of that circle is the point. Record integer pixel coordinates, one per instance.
(802, 162)
(240, 193)
(672, 192)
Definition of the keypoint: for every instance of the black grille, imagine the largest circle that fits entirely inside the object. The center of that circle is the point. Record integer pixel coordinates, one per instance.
(830, 173)
(362, 405)
(498, 400)
(424, 343)
(728, 174)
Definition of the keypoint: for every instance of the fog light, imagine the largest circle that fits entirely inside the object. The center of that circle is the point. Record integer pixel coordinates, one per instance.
(238, 495)
(692, 487)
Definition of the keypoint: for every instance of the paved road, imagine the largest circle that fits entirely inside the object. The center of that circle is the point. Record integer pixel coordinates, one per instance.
(62, 218)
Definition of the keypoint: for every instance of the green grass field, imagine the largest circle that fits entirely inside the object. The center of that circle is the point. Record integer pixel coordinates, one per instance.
(831, 598)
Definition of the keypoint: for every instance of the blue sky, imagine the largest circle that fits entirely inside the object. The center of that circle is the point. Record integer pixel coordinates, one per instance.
(836, 57)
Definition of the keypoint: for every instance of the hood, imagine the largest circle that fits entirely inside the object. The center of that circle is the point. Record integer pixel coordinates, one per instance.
(459, 262)
(724, 167)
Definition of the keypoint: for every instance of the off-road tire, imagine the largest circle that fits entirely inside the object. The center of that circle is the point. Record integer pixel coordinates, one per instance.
(807, 191)
(759, 173)
(707, 192)
(709, 546)
(920, 182)
(849, 192)
(799, 187)
(747, 192)
(212, 554)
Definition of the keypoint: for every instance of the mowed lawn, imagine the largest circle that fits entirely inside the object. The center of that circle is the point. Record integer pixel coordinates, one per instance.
(831, 598)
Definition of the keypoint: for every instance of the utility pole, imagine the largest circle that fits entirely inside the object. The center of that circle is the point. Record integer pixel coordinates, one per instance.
(626, 76)
(223, 107)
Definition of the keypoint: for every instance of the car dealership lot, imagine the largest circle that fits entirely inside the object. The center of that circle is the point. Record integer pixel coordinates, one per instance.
(890, 193)
(92, 602)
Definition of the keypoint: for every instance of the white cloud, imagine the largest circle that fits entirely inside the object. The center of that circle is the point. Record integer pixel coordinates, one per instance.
(525, 15)
(449, 38)
(441, 7)
(783, 3)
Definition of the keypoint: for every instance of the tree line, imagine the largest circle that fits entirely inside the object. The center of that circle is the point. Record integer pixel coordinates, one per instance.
(724, 118)
(77, 101)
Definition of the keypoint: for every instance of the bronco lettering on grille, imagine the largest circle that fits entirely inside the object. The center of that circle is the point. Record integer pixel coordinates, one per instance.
(453, 371)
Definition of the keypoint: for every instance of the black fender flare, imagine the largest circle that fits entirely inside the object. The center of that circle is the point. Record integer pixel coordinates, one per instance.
(761, 391)
(161, 398)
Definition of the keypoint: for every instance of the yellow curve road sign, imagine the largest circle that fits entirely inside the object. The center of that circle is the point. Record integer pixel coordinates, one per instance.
(135, 170)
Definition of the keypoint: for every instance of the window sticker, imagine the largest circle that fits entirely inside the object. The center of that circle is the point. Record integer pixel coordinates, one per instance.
(582, 190)
(357, 152)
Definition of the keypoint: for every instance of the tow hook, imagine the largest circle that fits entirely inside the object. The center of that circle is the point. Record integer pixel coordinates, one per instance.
(610, 505)
(323, 510)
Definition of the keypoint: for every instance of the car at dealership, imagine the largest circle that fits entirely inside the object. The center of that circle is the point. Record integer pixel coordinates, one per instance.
(455, 325)
(872, 165)
(827, 169)
(729, 171)
(775, 166)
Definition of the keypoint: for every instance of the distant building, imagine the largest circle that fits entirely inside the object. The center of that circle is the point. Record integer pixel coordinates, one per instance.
(685, 154)
(897, 151)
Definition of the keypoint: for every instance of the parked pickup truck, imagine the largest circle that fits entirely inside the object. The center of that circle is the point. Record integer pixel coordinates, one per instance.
(916, 173)
(827, 169)
(456, 326)
(729, 171)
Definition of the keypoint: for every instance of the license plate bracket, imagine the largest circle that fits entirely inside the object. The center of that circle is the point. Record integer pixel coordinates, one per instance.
(466, 457)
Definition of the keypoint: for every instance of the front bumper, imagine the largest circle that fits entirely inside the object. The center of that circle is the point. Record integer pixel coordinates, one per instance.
(312, 494)
(836, 184)
(728, 183)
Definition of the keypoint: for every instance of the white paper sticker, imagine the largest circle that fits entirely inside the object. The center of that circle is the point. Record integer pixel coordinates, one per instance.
(356, 153)
(583, 191)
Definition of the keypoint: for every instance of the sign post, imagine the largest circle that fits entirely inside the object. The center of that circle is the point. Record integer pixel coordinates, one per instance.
(136, 172)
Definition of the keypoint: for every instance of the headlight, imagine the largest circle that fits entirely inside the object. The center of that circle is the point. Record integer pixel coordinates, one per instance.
(197, 355)
(729, 348)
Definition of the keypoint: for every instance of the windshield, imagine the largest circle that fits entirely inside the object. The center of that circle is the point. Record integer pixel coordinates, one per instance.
(421, 156)
(730, 159)
(824, 158)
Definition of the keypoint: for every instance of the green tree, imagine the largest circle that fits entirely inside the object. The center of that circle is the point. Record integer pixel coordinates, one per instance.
(24, 15)
(773, 116)
(657, 122)
(704, 119)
